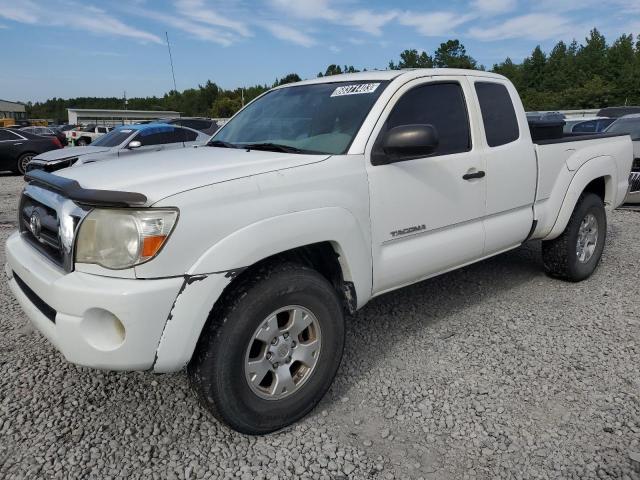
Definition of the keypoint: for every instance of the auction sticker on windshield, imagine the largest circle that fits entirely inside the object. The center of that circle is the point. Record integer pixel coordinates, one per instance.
(356, 89)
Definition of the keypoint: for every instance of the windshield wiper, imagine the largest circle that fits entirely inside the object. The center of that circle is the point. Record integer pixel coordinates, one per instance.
(222, 144)
(274, 147)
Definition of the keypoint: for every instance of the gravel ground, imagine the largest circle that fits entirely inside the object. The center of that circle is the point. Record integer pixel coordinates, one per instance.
(493, 371)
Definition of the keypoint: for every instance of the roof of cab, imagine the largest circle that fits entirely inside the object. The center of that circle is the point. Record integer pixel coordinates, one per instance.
(387, 75)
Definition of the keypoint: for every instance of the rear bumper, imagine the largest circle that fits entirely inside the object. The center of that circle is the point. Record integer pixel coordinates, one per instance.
(633, 195)
(100, 322)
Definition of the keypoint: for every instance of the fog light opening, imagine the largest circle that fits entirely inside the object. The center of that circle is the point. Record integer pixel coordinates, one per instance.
(102, 329)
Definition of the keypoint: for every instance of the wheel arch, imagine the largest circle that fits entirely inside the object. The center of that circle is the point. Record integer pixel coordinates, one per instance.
(597, 176)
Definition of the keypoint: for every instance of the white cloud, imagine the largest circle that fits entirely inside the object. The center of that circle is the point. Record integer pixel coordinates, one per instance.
(90, 19)
(434, 24)
(23, 12)
(361, 19)
(533, 26)
(199, 11)
(288, 34)
(494, 6)
(196, 30)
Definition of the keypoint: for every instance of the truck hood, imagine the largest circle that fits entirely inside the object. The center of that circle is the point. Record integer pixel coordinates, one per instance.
(69, 152)
(160, 174)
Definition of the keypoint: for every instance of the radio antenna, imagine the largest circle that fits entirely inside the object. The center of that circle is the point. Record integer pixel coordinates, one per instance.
(175, 88)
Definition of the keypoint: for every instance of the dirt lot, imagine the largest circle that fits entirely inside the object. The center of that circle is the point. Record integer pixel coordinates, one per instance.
(494, 371)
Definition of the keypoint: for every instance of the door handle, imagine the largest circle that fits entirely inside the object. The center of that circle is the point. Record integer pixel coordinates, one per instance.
(471, 176)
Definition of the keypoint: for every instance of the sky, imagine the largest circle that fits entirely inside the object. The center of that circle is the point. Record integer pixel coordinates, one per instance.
(69, 48)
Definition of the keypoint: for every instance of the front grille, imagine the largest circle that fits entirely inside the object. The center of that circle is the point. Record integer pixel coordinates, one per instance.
(39, 225)
(40, 304)
(48, 221)
(634, 182)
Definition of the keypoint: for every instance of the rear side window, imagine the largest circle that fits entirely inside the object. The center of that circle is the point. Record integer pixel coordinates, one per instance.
(585, 127)
(159, 136)
(195, 124)
(441, 105)
(498, 114)
(7, 135)
(188, 135)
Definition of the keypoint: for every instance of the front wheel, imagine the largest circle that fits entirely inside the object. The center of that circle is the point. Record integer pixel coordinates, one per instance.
(271, 351)
(575, 254)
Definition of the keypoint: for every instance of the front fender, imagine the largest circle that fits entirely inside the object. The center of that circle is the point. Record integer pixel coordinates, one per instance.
(274, 235)
(215, 269)
(603, 166)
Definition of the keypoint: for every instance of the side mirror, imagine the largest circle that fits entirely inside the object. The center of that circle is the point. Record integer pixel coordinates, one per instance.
(133, 144)
(406, 142)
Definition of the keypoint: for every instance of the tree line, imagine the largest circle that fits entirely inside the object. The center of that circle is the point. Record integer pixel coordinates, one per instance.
(592, 74)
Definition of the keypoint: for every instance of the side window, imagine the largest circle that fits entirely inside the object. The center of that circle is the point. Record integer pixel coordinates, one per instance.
(188, 135)
(498, 114)
(196, 124)
(441, 105)
(585, 127)
(7, 135)
(158, 136)
(102, 129)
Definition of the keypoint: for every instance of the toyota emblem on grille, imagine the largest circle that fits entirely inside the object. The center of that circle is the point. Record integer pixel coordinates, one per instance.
(35, 225)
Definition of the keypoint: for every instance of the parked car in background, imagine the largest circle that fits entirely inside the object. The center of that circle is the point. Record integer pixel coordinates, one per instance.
(47, 132)
(86, 135)
(617, 112)
(65, 128)
(587, 125)
(18, 147)
(121, 142)
(205, 125)
(631, 124)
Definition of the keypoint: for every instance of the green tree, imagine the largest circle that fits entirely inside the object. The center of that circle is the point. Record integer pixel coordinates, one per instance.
(290, 78)
(453, 54)
(534, 69)
(412, 59)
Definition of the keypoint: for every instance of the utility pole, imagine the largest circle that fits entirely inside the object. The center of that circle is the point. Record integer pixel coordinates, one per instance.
(175, 88)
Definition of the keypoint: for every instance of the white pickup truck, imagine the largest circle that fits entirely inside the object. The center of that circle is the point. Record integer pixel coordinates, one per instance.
(84, 136)
(240, 259)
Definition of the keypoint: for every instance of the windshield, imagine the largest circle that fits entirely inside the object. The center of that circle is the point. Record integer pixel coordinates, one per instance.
(113, 138)
(321, 118)
(630, 126)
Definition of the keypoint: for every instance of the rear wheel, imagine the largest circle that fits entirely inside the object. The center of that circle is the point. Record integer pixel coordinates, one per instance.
(271, 351)
(23, 160)
(82, 142)
(575, 254)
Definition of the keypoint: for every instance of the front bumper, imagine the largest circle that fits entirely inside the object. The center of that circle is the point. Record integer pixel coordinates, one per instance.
(96, 321)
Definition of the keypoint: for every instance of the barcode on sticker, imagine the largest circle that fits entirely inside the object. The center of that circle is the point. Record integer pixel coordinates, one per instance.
(356, 89)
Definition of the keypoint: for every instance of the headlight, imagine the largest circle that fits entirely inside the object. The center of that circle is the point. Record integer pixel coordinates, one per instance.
(119, 239)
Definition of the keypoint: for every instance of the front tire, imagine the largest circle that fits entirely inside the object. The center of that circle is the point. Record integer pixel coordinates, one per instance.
(575, 254)
(270, 352)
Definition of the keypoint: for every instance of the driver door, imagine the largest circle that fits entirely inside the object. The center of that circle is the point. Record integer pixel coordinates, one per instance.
(427, 213)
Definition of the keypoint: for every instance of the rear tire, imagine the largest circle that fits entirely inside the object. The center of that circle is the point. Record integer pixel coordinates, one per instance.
(21, 163)
(82, 142)
(575, 254)
(254, 320)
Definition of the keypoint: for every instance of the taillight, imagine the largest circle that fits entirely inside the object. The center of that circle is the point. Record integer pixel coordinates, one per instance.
(56, 142)
(73, 134)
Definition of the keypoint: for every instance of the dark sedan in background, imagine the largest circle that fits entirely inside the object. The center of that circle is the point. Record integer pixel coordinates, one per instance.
(18, 147)
(47, 132)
